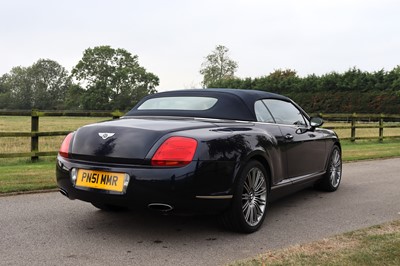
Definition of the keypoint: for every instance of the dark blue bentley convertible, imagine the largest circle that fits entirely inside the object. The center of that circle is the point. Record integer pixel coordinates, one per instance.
(224, 151)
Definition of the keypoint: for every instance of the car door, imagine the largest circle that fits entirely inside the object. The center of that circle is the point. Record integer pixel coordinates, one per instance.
(277, 155)
(304, 148)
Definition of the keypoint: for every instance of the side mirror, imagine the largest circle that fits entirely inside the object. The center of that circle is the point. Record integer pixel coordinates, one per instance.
(316, 122)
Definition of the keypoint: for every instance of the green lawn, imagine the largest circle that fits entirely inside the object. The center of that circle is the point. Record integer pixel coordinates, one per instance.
(26, 176)
(377, 245)
(362, 150)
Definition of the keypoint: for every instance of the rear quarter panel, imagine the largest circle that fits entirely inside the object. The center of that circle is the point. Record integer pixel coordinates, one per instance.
(233, 146)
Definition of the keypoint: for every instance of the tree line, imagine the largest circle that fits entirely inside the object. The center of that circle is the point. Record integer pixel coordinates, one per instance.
(104, 79)
(112, 79)
(352, 91)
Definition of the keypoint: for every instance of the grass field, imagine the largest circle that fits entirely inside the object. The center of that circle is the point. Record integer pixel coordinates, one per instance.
(377, 245)
(17, 177)
(370, 149)
(23, 124)
(364, 132)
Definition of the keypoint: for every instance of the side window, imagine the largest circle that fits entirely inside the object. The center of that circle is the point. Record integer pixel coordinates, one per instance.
(262, 113)
(285, 112)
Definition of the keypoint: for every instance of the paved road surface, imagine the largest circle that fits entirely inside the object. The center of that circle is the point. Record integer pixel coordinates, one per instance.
(48, 229)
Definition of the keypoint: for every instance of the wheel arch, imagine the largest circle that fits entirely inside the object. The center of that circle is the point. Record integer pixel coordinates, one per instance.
(335, 143)
(266, 165)
(261, 158)
(234, 218)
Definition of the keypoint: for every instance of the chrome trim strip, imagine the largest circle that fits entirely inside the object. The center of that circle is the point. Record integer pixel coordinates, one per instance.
(294, 180)
(283, 183)
(306, 177)
(215, 197)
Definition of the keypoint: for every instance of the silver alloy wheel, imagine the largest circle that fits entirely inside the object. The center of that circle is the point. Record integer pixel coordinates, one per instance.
(254, 196)
(335, 168)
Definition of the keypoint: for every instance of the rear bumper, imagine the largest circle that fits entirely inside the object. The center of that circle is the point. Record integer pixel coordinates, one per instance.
(202, 186)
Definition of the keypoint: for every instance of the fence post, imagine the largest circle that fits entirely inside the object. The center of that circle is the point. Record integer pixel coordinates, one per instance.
(34, 137)
(381, 129)
(353, 127)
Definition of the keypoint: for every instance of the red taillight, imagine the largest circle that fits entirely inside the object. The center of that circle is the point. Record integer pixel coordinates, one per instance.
(175, 151)
(64, 149)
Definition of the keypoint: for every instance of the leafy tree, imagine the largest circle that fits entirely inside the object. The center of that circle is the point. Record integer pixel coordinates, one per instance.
(73, 98)
(309, 83)
(112, 79)
(18, 83)
(393, 79)
(50, 82)
(217, 66)
(5, 93)
(281, 81)
(41, 86)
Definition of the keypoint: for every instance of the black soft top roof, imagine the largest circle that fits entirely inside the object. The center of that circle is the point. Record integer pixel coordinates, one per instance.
(233, 104)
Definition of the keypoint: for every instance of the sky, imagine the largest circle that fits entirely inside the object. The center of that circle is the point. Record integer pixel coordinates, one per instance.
(172, 37)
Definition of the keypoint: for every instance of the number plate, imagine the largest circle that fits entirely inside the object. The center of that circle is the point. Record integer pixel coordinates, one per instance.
(100, 180)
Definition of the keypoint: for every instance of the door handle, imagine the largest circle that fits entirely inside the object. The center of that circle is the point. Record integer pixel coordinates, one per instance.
(288, 136)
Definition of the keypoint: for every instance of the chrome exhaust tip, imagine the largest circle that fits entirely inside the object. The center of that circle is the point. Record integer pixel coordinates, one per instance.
(161, 207)
(64, 192)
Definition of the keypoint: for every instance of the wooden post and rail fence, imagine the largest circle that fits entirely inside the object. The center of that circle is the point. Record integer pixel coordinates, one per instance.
(35, 134)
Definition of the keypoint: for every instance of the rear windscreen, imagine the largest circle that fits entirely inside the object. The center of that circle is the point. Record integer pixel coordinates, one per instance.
(189, 103)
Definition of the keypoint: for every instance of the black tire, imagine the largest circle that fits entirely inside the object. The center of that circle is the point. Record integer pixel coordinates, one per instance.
(108, 207)
(331, 179)
(250, 199)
